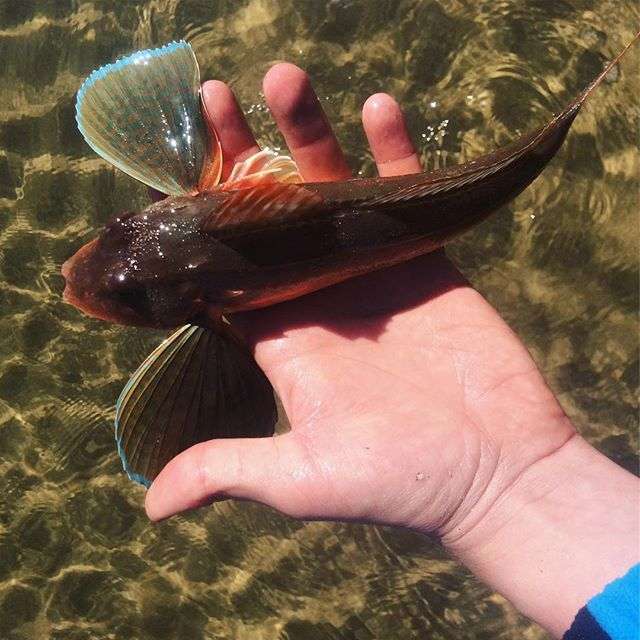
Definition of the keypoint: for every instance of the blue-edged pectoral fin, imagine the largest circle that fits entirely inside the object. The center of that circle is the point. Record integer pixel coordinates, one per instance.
(199, 384)
(143, 114)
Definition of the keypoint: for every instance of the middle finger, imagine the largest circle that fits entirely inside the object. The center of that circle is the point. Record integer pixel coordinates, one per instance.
(306, 130)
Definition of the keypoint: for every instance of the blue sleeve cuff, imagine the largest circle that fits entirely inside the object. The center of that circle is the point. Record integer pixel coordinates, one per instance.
(614, 614)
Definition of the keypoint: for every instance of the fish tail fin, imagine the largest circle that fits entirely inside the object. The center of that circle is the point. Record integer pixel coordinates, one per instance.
(501, 175)
(199, 384)
(143, 114)
(578, 102)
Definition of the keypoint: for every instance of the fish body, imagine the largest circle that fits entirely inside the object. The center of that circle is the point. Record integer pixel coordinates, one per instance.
(264, 236)
(167, 264)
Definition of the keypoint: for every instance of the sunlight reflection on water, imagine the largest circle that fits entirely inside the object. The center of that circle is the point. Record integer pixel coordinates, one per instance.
(77, 556)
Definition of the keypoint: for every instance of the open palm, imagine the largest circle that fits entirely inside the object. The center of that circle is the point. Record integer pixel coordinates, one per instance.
(410, 400)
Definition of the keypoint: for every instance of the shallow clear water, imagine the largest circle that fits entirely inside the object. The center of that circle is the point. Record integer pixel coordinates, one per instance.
(78, 558)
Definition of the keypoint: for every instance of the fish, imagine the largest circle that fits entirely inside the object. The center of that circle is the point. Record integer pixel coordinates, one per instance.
(211, 248)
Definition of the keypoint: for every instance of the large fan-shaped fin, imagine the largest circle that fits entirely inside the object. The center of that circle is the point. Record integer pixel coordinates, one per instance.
(199, 384)
(143, 114)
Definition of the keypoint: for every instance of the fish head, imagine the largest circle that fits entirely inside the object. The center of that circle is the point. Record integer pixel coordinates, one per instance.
(98, 278)
(154, 268)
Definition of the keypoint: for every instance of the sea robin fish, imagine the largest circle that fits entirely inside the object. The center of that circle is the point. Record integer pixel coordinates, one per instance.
(262, 237)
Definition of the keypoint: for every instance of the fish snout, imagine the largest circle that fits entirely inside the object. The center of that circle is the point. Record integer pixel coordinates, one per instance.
(66, 274)
(69, 273)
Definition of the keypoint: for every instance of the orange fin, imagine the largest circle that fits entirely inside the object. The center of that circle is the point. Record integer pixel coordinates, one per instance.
(265, 166)
(264, 203)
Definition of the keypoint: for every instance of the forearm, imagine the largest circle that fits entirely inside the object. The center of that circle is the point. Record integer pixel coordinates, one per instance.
(568, 526)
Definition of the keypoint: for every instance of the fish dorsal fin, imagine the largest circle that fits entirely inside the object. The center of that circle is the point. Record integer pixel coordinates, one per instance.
(143, 114)
(265, 166)
(264, 203)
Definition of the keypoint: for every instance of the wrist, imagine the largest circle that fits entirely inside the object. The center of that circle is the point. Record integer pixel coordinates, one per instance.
(565, 527)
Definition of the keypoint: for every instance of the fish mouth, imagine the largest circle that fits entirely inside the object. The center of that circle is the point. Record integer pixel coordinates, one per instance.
(67, 271)
(66, 274)
(75, 290)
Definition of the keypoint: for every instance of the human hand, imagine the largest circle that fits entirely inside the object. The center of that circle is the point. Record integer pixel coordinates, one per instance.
(407, 394)
(411, 403)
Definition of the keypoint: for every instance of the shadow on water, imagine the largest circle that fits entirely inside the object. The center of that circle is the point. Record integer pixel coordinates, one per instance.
(78, 560)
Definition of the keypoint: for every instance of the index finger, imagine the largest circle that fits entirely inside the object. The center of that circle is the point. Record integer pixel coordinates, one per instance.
(228, 120)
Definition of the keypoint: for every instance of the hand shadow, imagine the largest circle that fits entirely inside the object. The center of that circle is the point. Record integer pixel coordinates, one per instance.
(357, 308)
(360, 307)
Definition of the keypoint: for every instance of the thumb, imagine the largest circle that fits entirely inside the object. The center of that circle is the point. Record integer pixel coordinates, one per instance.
(272, 471)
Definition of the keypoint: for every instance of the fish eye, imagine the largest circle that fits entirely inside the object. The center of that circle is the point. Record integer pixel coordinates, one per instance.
(122, 290)
(134, 298)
